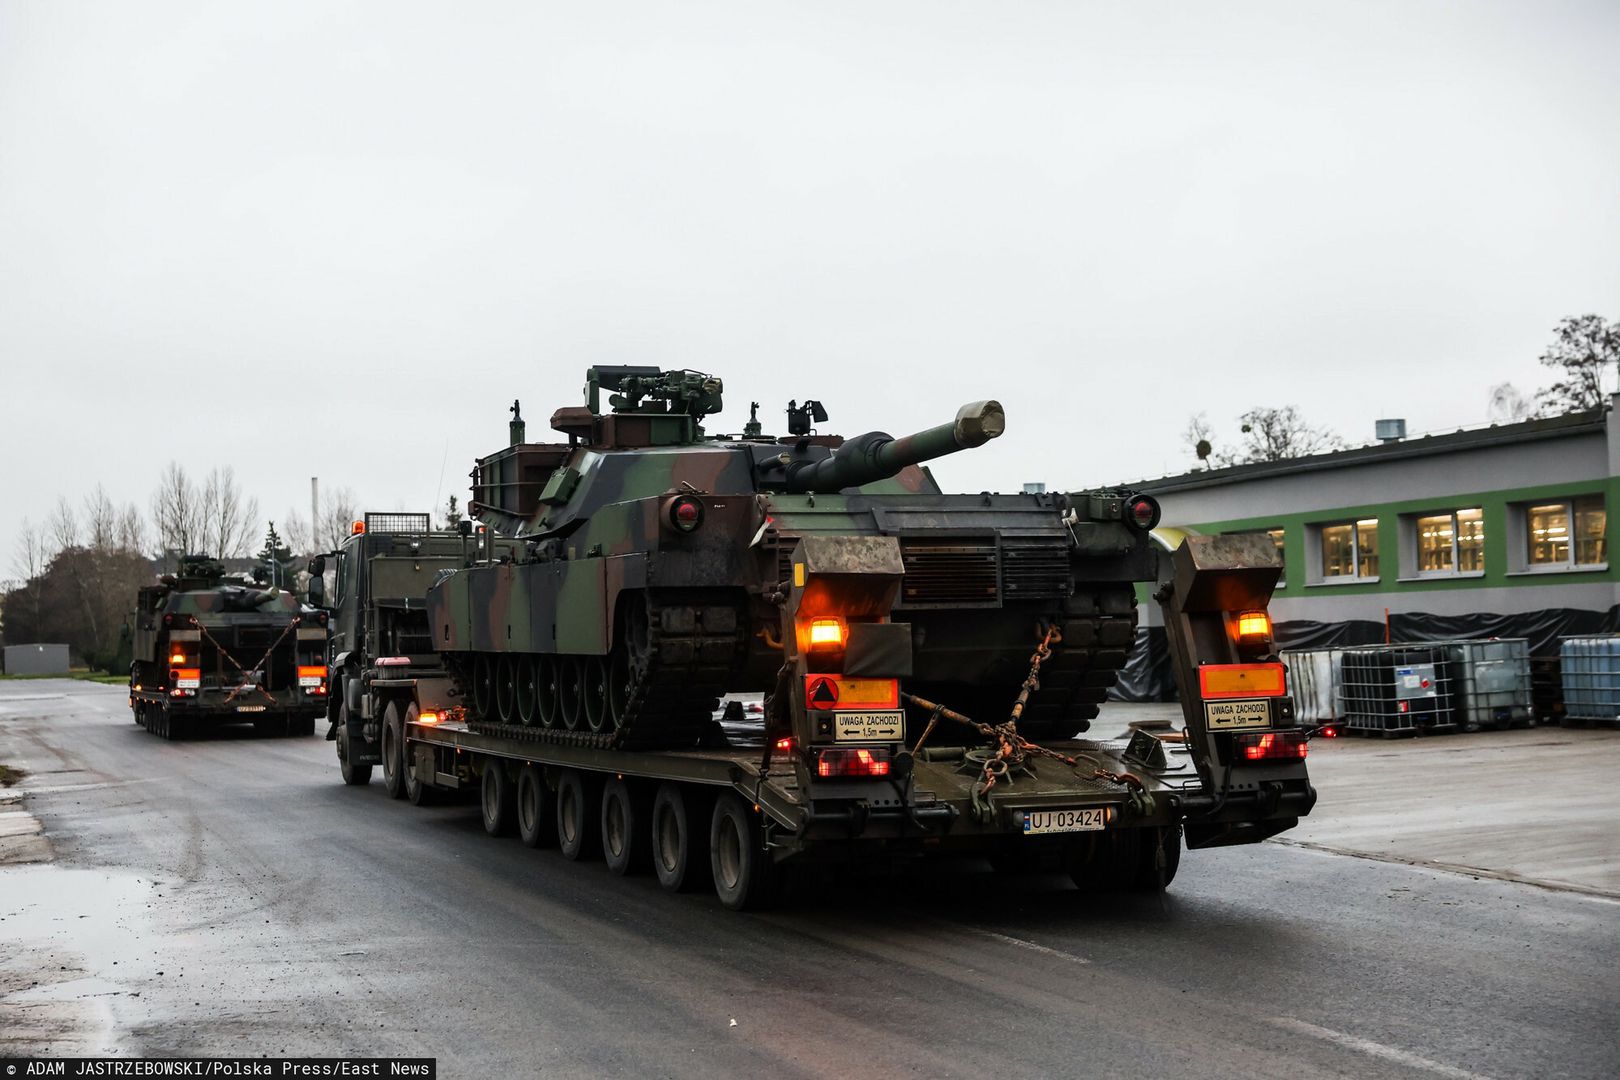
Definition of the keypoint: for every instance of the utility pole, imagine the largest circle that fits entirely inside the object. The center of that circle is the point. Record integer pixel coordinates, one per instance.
(314, 514)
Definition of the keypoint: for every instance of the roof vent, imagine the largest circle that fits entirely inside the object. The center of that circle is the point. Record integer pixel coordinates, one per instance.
(1035, 488)
(1390, 430)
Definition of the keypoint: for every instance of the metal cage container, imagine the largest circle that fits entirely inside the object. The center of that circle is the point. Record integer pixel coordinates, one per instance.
(1490, 682)
(1591, 677)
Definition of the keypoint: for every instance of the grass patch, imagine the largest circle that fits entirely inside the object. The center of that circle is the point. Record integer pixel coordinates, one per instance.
(79, 673)
(10, 774)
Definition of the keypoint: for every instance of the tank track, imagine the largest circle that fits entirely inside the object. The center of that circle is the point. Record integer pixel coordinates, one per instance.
(1099, 627)
(685, 665)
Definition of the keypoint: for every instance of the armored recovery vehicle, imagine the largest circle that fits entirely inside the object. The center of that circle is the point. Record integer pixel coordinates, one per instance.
(211, 650)
(645, 568)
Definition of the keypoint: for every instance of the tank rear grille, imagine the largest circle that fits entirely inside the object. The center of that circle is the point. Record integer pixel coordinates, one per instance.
(954, 571)
(1034, 568)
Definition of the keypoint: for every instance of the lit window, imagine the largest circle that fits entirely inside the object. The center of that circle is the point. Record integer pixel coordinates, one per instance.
(1451, 543)
(1350, 550)
(1276, 536)
(1573, 533)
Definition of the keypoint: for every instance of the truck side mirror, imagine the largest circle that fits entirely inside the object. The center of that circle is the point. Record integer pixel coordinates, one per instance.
(317, 583)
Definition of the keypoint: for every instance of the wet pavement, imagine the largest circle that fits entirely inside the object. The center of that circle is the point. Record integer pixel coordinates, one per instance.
(230, 895)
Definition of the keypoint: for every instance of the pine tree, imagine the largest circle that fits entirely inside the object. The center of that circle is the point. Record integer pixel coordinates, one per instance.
(452, 515)
(277, 559)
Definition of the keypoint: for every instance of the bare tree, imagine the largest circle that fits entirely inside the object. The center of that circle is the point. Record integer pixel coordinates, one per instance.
(338, 512)
(1277, 434)
(1508, 405)
(228, 520)
(1198, 435)
(1586, 349)
(64, 525)
(28, 564)
(176, 511)
(295, 533)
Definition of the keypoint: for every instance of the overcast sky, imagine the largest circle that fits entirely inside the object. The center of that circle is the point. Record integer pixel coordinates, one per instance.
(338, 239)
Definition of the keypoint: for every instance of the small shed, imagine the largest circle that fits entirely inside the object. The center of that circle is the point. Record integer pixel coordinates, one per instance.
(36, 659)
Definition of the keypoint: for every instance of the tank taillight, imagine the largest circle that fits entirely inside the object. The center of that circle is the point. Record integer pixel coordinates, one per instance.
(1143, 511)
(686, 513)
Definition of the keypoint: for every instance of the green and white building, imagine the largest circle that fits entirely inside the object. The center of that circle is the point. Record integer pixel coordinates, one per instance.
(1499, 531)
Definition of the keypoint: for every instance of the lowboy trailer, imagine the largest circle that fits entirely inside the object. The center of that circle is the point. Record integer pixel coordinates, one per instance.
(849, 766)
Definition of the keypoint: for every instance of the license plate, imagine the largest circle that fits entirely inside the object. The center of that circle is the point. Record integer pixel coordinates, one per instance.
(309, 680)
(1037, 822)
(187, 684)
(1237, 715)
(869, 726)
(250, 708)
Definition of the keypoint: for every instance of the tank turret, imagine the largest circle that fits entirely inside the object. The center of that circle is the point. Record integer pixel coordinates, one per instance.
(877, 455)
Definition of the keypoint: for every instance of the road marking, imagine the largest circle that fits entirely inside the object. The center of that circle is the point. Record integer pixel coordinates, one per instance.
(1376, 1049)
(1007, 939)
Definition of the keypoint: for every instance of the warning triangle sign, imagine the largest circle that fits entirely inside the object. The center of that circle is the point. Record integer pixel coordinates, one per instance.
(823, 693)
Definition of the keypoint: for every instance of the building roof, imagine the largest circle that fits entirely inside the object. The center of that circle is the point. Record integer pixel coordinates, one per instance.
(1552, 427)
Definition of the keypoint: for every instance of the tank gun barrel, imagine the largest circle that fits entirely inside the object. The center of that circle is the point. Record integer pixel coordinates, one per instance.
(876, 455)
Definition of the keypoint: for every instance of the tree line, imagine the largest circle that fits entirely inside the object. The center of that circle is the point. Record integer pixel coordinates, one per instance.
(1584, 353)
(74, 576)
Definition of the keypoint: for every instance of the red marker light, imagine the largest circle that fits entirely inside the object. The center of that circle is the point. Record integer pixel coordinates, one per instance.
(686, 513)
(784, 746)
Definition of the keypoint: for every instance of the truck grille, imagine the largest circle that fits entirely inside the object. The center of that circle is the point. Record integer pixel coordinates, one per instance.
(953, 571)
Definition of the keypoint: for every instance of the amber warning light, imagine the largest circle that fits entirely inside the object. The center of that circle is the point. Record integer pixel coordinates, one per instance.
(357, 528)
(826, 634)
(1254, 624)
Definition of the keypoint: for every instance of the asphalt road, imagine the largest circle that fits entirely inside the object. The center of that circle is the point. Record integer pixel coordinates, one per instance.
(232, 896)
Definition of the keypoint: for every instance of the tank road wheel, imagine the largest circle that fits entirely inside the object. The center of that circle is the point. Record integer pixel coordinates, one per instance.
(498, 799)
(506, 690)
(528, 702)
(547, 711)
(393, 749)
(594, 689)
(629, 658)
(577, 832)
(483, 686)
(353, 775)
(742, 868)
(534, 808)
(570, 691)
(625, 832)
(680, 852)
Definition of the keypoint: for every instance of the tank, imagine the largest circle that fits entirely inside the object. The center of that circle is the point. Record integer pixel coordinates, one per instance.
(651, 560)
(210, 650)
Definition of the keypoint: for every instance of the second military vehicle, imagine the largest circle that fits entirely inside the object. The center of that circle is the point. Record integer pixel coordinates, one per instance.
(211, 650)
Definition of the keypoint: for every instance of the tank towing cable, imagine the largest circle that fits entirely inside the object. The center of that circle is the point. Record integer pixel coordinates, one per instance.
(1010, 750)
(246, 673)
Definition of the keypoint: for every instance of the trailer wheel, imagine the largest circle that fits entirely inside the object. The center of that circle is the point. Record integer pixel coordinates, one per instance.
(680, 852)
(417, 790)
(534, 824)
(393, 749)
(353, 775)
(744, 876)
(625, 829)
(1106, 862)
(577, 834)
(1149, 878)
(497, 799)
